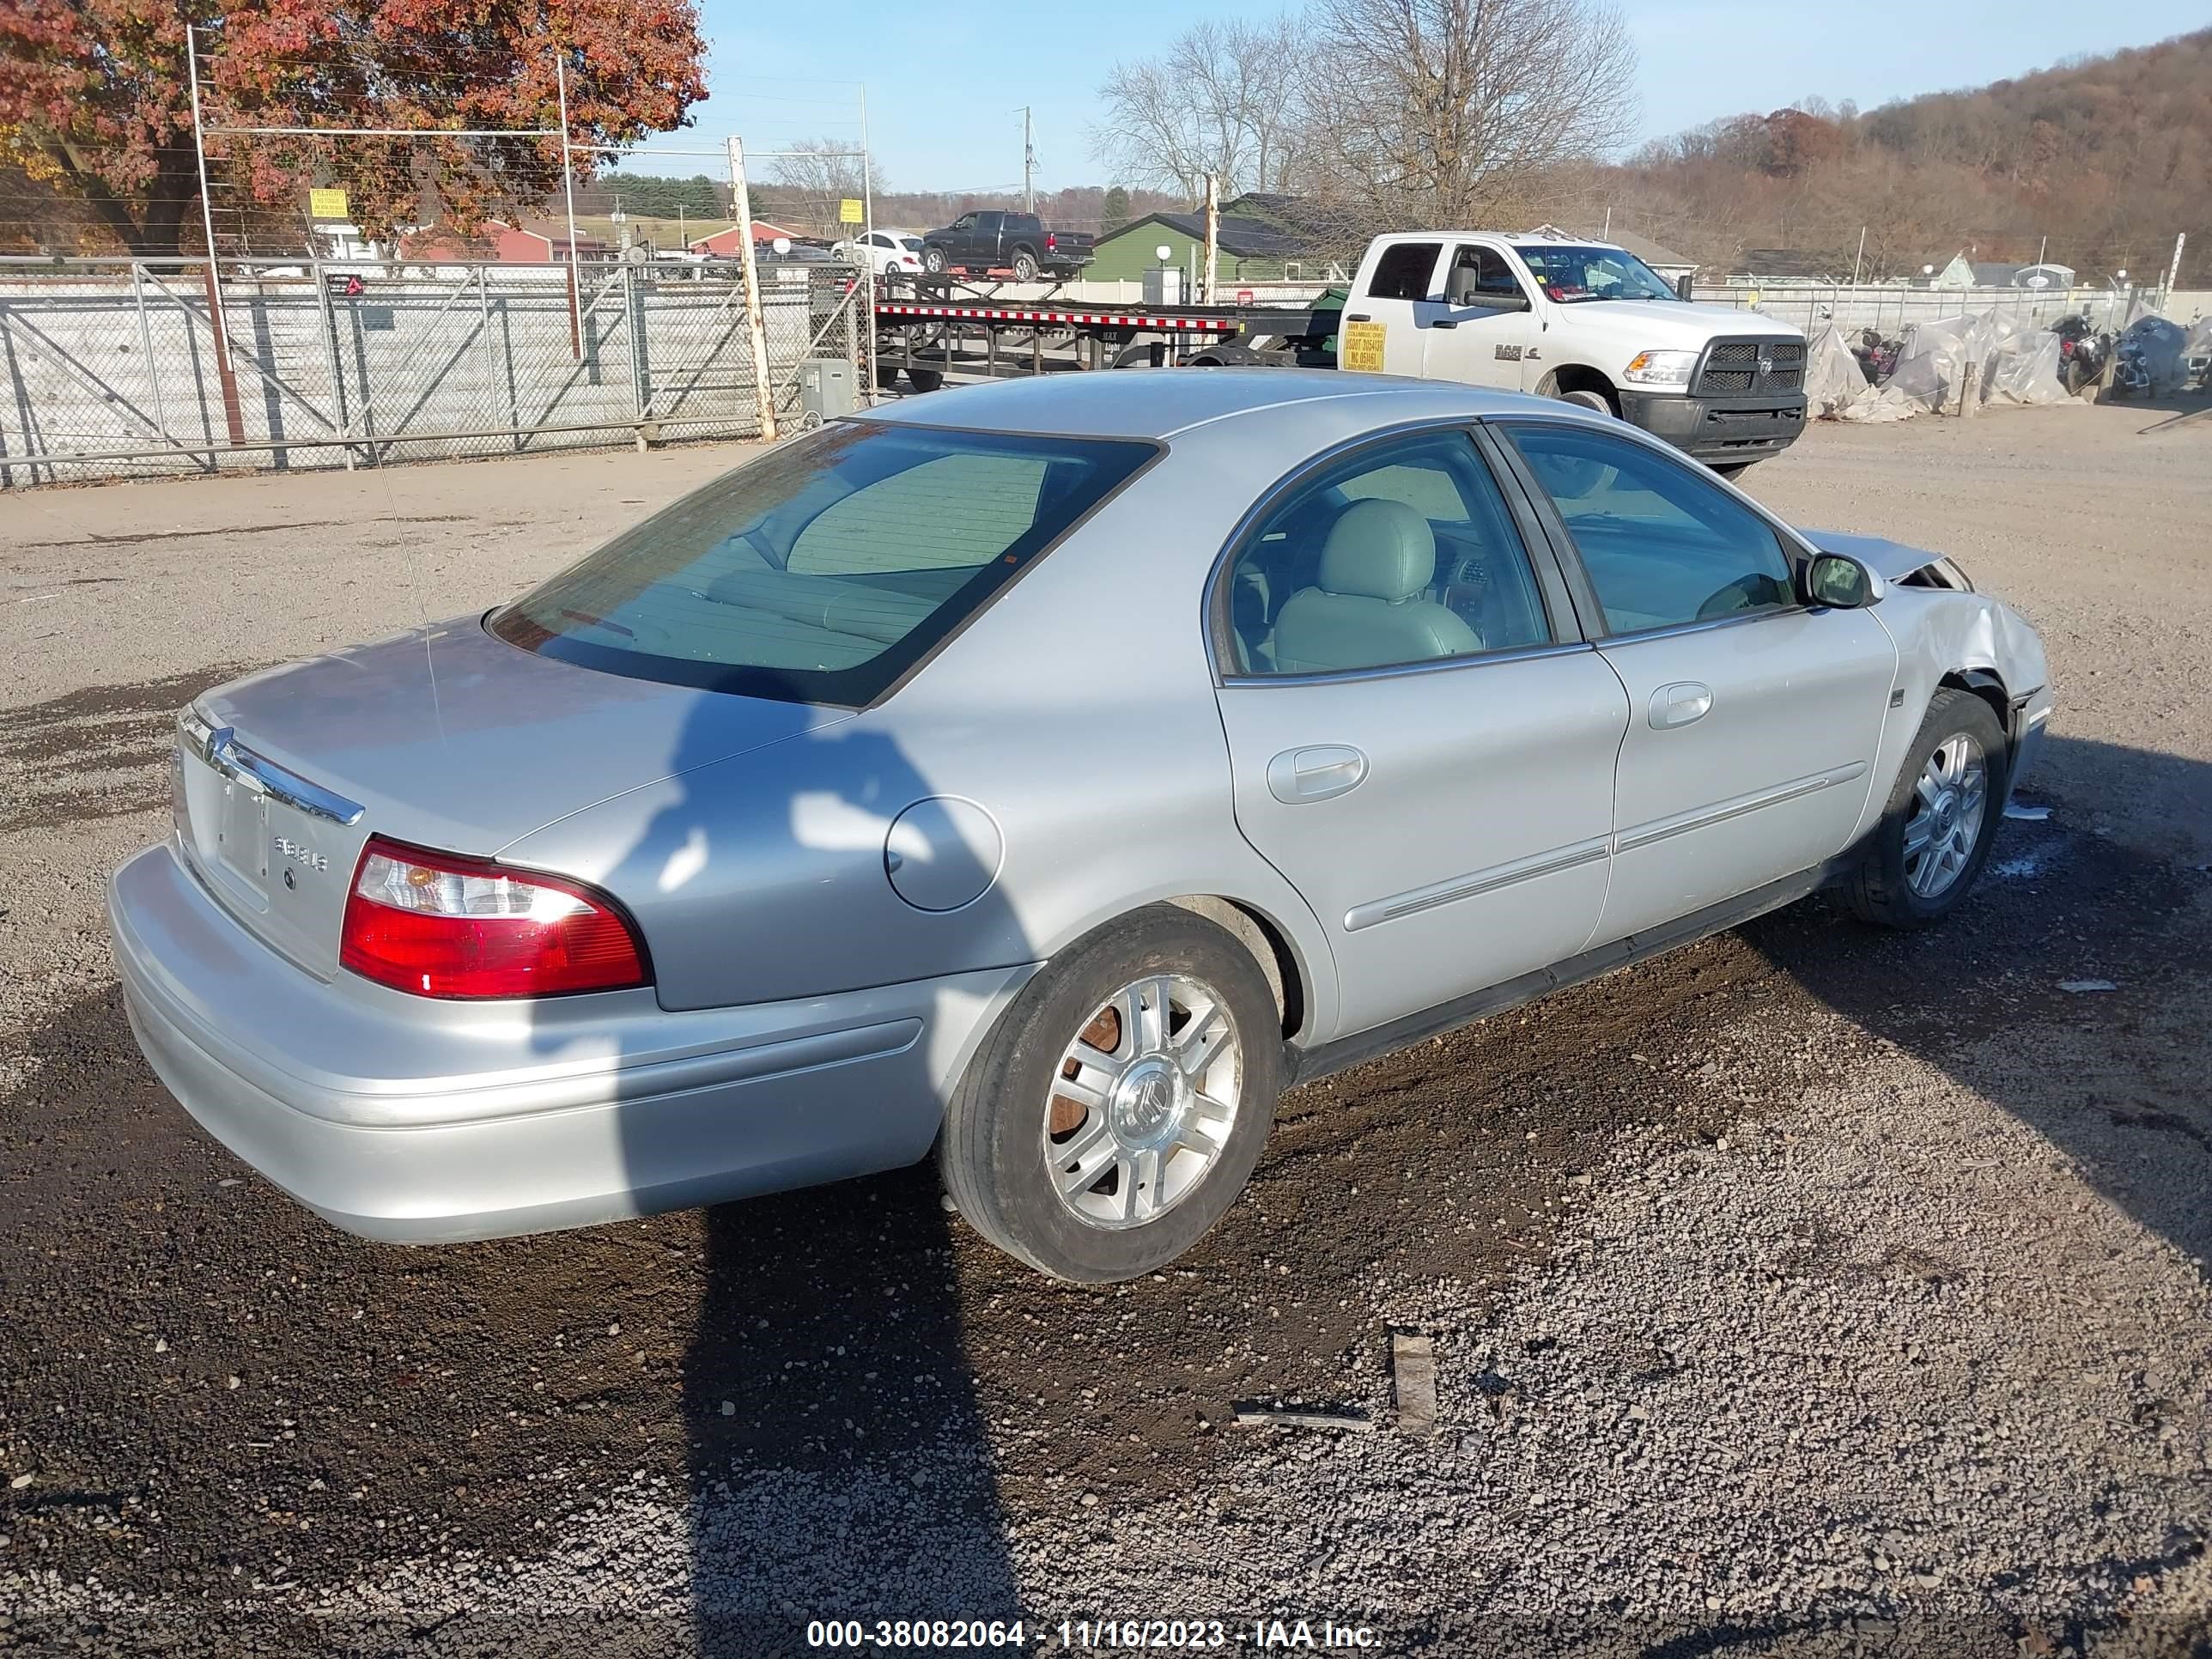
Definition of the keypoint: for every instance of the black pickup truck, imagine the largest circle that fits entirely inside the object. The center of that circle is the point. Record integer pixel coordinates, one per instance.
(992, 239)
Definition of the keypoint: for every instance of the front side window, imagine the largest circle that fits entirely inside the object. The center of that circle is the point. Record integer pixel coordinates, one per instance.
(1402, 271)
(823, 571)
(1404, 553)
(1571, 275)
(965, 221)
(1662, 546)
(1493, 277)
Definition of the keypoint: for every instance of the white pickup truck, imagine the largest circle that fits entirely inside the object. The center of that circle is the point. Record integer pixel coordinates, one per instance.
(1562, 316)
(1581, 320)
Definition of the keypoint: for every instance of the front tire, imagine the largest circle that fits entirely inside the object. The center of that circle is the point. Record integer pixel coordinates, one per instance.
(1935, 831)
(933, 261)
(1120, 1105)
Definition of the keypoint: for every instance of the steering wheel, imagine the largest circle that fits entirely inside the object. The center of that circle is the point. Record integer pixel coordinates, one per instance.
(1748, 593)
(1571, 478)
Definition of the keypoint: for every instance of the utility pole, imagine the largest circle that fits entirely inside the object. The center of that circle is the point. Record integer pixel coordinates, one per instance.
(233, 416)
(1029, 164)
(1857, 257)
(2173, 270)
(568, 188)
(756, 322)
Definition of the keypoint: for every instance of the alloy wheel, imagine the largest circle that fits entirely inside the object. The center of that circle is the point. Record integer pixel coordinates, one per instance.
(1144, 1102)
(1949, 802)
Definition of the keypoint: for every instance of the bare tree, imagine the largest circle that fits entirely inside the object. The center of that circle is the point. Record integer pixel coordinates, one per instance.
(1221, 99)
(1454, 113)
(815, 176)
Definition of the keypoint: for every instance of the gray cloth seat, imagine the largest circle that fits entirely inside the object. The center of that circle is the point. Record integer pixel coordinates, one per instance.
(1370, 607)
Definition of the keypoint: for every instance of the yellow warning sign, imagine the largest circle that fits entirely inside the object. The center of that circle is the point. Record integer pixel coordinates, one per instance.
(326, 204)
(1360, 347)
(848, 212)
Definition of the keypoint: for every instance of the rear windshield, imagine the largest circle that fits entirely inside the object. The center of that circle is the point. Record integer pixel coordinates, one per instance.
(825, 569)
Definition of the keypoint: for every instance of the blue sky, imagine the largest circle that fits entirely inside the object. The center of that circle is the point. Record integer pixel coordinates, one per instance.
(945, 82)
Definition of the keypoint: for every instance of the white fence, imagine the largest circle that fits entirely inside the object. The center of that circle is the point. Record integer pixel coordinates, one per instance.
(1893, 308)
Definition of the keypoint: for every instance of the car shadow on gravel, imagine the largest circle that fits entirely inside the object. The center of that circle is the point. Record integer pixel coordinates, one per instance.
(2073, 931)
(840, 1465)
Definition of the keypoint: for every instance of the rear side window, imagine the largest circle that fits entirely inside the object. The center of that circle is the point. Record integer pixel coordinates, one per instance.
(823, 571)
(1662, 546)
(1402, 553)
(1402, 272)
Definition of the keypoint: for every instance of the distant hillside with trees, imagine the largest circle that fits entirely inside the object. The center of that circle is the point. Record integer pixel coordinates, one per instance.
(2105, 157)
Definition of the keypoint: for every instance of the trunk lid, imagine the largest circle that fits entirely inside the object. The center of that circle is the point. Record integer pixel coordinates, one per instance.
(444, 738)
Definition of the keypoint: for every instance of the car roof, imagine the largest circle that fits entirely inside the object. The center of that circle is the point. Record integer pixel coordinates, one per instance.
(1160, 405)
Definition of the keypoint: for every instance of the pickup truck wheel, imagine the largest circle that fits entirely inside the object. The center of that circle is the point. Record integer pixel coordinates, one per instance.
(1733, 469)
(933, 261)
(1118, 1108)
(925, 379)
(1025, 266)
(1935, 830)
(1596, 400)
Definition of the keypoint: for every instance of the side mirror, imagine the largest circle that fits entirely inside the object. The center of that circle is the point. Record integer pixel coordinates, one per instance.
(1839, 583)
(1504, 302)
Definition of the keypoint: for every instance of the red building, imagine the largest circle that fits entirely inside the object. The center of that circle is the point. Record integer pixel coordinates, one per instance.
(508, 245)
(723, 244)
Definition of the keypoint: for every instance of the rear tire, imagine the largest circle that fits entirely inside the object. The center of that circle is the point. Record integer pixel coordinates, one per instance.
(1941, 815)
(1175, 1113)
(1025, 266)
(1734, 469)
(925, 380)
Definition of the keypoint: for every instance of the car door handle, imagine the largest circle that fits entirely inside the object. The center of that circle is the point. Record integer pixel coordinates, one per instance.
(1357, 317)
(1443, 323)
(1679, 704)
(1299, 775)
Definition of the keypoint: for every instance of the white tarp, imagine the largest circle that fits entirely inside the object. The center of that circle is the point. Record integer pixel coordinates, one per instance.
(1833, 379)
(2019, 361)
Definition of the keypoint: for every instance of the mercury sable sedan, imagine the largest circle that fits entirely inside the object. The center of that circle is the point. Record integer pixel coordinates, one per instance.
(1047, 774)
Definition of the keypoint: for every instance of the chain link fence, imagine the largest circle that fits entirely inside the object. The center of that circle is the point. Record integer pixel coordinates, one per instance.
(125, 369)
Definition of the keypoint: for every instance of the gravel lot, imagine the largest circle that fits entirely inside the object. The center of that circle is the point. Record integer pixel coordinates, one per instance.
(1810, 1291)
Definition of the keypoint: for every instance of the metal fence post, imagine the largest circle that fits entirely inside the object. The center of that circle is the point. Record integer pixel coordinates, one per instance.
(146, 349)
(338, 402)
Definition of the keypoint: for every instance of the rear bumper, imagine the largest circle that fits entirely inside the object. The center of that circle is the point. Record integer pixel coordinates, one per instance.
(1721, 431)
(416, 1122)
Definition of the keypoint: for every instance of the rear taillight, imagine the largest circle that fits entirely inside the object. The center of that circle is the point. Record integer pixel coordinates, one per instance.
(1051, 240)
(437, 925)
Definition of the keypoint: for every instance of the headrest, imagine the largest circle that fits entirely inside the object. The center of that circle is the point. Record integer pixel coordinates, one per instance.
(1378, 550)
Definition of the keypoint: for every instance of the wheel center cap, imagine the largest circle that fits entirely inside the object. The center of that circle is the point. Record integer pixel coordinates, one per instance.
(1946, 813)
(1147, 1102)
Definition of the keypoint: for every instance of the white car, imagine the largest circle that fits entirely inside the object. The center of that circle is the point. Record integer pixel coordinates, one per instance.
(892, 252)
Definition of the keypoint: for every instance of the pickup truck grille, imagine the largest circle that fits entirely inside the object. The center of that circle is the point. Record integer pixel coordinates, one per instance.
(1733, 368)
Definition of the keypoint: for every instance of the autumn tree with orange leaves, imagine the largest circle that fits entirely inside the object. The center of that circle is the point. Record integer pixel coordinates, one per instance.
(95, 102)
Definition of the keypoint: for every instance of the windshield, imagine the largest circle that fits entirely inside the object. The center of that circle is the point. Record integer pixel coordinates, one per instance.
(1570, 275)
(825, 569)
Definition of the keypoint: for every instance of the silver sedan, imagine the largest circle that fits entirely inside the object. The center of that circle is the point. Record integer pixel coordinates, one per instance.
(1045, 775)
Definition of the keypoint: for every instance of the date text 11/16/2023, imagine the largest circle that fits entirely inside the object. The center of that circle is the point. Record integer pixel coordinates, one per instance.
(1094, 1635)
